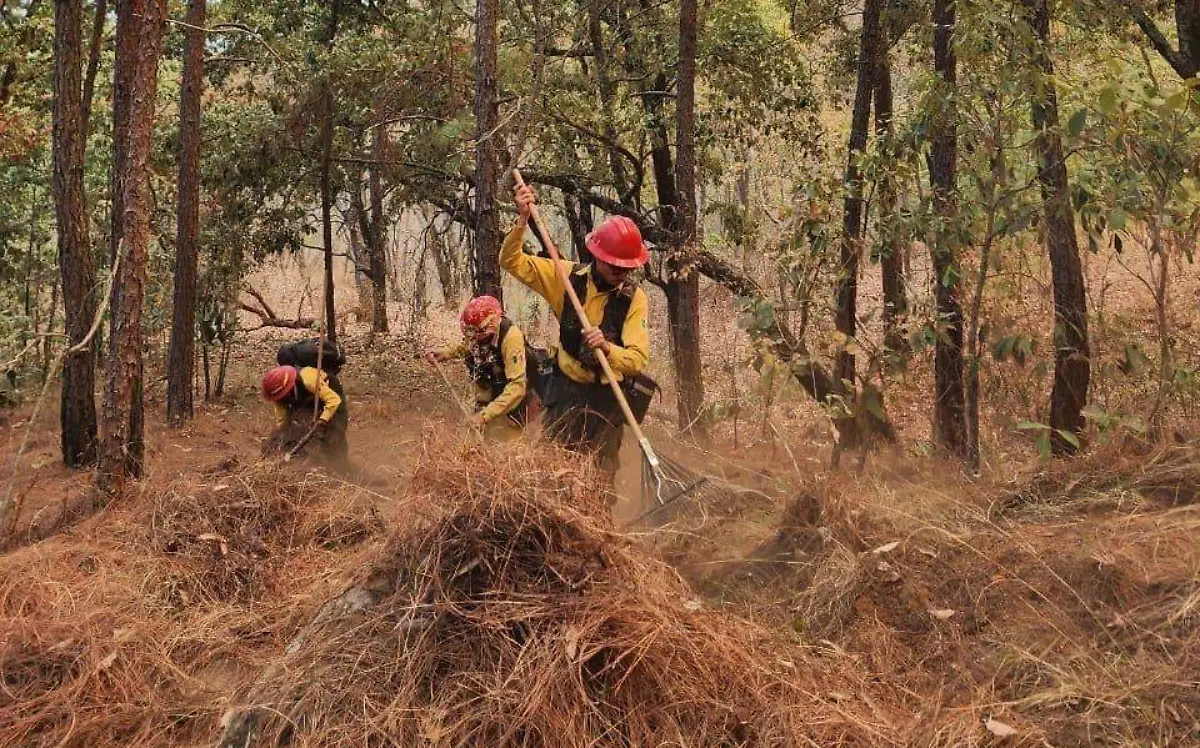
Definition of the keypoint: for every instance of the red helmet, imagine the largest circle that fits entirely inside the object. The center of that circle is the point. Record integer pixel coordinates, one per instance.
(618, 242)
(480, 316)
(278, 383)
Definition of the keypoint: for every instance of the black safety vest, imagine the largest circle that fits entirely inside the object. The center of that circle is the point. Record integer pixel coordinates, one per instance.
(487, 368)
(570, 327)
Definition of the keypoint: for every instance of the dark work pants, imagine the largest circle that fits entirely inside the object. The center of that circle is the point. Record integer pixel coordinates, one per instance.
(585, 418)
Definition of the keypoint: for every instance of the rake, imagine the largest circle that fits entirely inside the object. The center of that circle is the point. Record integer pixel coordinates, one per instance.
(663, 481)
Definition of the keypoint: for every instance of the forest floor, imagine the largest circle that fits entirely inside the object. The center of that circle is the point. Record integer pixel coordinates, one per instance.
(1045, 604)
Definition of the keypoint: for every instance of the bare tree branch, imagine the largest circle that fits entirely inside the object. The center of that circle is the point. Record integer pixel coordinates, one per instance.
(1159, 40)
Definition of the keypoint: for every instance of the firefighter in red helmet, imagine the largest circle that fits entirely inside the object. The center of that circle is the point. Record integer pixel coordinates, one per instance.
(300, 395)
(495, 353)
(580, 408)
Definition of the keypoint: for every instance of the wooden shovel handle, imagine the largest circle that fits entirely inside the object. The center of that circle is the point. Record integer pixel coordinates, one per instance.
(578, 305)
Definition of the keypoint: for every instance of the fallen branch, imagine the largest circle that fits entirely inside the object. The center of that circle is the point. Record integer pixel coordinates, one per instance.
(268, 317)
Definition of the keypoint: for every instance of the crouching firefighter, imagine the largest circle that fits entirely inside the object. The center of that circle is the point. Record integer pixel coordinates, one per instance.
(308, 410)
(581, 411)
(502, 365)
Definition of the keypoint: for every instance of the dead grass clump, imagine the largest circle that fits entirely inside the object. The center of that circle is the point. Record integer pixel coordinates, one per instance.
(1168, 475)
(131, 628)
(826, 604)
(515, 616)
(227, 540)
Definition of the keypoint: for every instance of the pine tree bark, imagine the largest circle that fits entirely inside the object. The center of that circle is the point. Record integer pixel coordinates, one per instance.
(1072, 369)
(140, 27)
(949, 397)
(181, 359)
(683, 287)
(851, 244)
(78, 404)
(485, 253)
(1187, 25)
(895, 301)
(99, 19)
(378, 238)
(325, 140)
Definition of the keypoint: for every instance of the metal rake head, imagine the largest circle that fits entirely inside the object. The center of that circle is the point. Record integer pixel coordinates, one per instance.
(665, 483)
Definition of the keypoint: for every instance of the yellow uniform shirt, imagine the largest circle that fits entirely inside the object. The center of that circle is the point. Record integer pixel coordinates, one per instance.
(540, 274)
(512, 351)
(317, 383)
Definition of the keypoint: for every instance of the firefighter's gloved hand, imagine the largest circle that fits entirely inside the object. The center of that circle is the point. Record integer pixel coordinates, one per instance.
(595, 340)
(433, 357)
(525, 201)
(320, 427)
(477, 420)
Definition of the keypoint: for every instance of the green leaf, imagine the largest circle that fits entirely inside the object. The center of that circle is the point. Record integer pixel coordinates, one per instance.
(1177, 101)
(1108, 100)
(1032, 426)
(1069, 438)
(1117, 220)
(1077, 122)
(1043, 445)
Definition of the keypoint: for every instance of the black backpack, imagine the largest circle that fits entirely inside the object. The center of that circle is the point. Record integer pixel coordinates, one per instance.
(304, 353)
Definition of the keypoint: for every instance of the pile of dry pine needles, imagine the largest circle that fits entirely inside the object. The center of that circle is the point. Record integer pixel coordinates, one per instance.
(514, 615)
(490, 604)
(130, 628)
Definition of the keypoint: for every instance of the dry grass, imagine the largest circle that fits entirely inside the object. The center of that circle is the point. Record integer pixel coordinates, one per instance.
(502, 610)
(1072, 615)
(129, 628)
(515, 615)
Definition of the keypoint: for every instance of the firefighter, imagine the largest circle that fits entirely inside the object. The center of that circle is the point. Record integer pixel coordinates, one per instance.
(495, 353)
(299, 394)
(581, 410)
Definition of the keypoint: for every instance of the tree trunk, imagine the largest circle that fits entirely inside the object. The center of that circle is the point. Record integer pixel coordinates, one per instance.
(1072, 371)
(579, 219)
(486, 252)
(1187, 25)
(78, 404)
(182, 357)
(895, 303)
(140, 26)
(378, 239)
(207, 372)
(93, 68)
(359, 258)
(683, 288)
(326, 145)
(851, 244)
(327, 197)
(606, 91)
(443, 260)
(222, 367)
(949, 405)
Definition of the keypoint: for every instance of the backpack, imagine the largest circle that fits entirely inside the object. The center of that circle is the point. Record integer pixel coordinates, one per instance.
(304, 353)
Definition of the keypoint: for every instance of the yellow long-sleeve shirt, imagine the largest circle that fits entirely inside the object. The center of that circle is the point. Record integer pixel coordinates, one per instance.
(540, 275)
(512, 352)
(317, 383)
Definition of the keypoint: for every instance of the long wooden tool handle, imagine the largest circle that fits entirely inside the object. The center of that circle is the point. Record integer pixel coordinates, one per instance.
(453, 392)
(575, 302)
